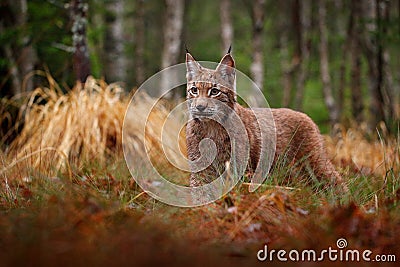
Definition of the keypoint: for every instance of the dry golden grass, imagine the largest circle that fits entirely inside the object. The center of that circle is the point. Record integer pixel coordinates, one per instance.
(79, 126)
(150, 120)
(350, 148)
(85, 125)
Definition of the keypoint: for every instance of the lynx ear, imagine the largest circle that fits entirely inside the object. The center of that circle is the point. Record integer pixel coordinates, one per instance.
(226, 70)
(227, 65)
(192, 67)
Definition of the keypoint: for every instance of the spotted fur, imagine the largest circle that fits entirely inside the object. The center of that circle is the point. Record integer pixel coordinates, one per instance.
(297, 136)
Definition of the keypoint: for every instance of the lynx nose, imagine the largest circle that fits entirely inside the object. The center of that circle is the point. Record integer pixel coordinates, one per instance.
(200, 108)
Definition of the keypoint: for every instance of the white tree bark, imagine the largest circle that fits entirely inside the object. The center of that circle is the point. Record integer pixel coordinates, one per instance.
(23, 61)
(324, 65)
(226, 24)
(28, 54)
(305, 27)
(115, 58)
(172, 42)
(139, 42)
(257, 66)
(81, 63)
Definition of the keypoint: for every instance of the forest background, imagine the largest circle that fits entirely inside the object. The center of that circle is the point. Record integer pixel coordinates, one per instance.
(338, 61)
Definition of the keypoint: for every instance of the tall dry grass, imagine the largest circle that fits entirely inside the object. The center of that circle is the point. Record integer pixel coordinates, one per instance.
(82, 125)
(163, 131)
(350, 148)
(85, 125)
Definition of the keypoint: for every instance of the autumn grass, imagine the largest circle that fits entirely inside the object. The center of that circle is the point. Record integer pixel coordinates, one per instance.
(84, 124)
(65, 192)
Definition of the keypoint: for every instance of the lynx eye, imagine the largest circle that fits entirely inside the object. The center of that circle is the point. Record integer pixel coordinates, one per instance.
(214, 92)
(194, 91)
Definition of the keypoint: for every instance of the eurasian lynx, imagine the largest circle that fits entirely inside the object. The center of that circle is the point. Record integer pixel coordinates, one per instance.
(212, 93)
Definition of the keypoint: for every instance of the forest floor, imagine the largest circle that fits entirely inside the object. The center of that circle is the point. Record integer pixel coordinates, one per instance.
(90, 212)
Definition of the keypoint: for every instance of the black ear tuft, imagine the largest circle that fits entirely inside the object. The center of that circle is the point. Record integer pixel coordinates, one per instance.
(186, 49)
(229, 50)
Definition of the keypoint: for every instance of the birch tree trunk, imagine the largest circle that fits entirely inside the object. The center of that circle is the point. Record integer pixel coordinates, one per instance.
(287, 70)
(20, 53)
(257, 65)
(139, 42)
(324, 65)
(345, 55)
(28, 54)
(372, 47)
(172, 43)
(115, 58)
(390, 103)
(355, 59)
(16, 84)
(81, 63)
(288, 65)
(226, 24)
(304, 10)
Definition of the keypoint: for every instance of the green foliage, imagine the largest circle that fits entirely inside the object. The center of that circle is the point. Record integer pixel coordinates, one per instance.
(49, 26)
(203, 43)
(314, 104)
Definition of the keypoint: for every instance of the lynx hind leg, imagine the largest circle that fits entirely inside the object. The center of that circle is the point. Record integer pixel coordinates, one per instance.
(320, 163)
(307, 143)
(324, 169)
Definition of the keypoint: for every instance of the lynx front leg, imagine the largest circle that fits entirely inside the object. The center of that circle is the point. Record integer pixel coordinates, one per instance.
(197, 180)
(202, 182)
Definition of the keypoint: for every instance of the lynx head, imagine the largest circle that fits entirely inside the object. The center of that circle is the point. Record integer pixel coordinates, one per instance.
(210, 92)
